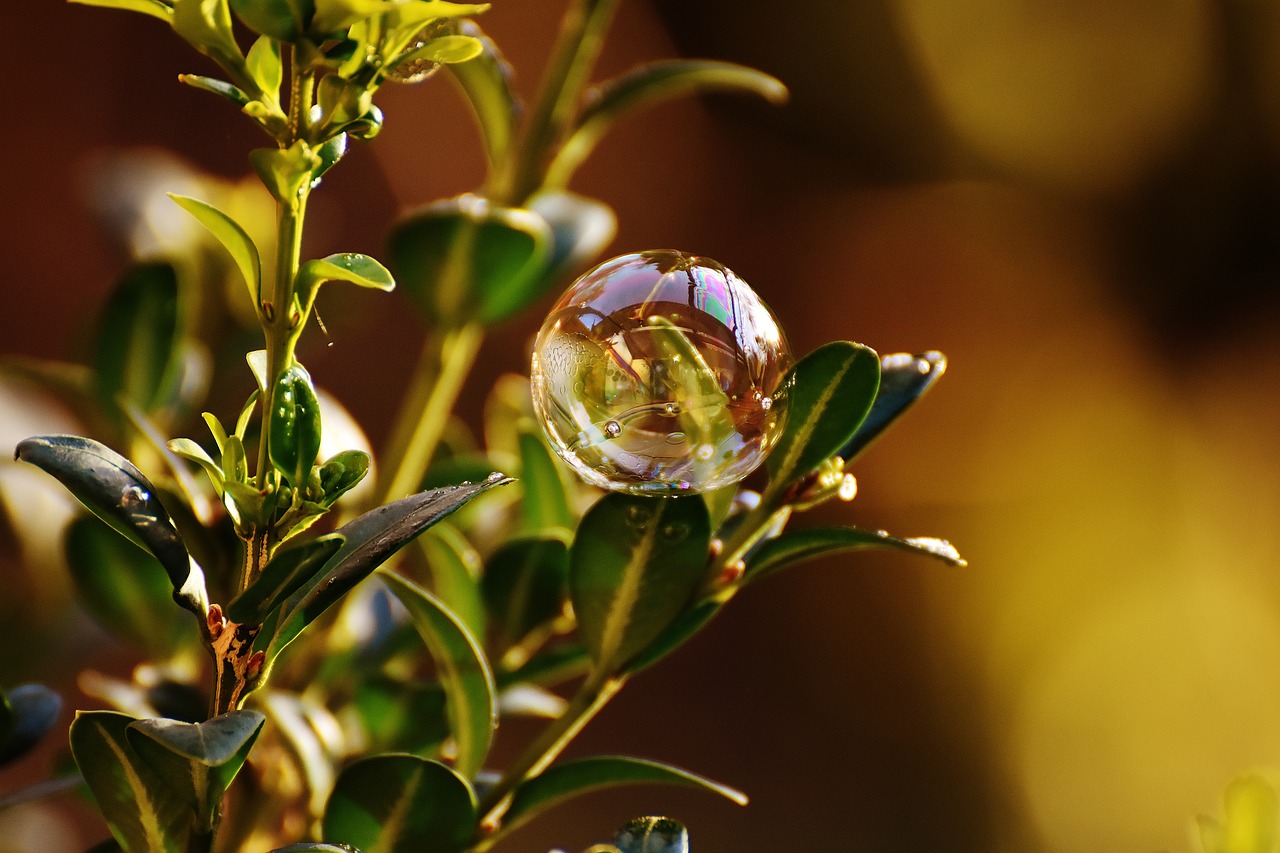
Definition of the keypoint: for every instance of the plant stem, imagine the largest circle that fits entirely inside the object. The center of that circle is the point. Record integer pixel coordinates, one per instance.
(593, 695)
(442, 369)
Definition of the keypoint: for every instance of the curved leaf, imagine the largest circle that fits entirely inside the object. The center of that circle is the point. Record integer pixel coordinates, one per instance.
(27, 712)
(316, 847)
(486, 82)
(154, 8)
(136, 352)
(545, 505)
(141, 808)
(278, 19)
(455, 575)
(401, 804)
(463, 671)
(294, 426)
(445, 50)
(233, 238)
(370, 540)
(120, 495)
(354, 267)
(525, 585)
(561, 782)
(794, 546)
(288, 569)
(633, 569)
(903, 379)
(830, 392)
(650, 84)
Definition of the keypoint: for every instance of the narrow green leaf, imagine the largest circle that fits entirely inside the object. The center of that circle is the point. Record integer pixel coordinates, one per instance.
(633, 569)
(27, 713)
(294, 425)
(221, 88)
(402, 15)
(154, 8)
(561, 782)
(192, 452)
(401, 804)
(316, 847)
(287, 570)
(903, 379)
(652, 835)
(794, 546)
(485, 81)
(124, 588)
(117, 492)
(830, 392)
(197, 760)
(545, 505)
(650, 84)
(463, 671)
(370, 540)
(141, 808)
(136, 351)
(455, 575)
(525, 585)
(234, 239)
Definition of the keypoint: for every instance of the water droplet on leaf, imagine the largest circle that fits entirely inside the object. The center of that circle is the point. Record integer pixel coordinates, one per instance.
(653, 340)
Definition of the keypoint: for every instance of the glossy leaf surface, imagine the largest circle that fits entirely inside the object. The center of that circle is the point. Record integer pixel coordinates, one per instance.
(525, 585)
(904, 378)
(794, 546)
(545, 505)
(455, 575)
(400, 804)
(634, 566)
(288, 569)
(831, 391)
(27, 712)
(294, 425)
(463, 671)
(120, 495)
(561, 782)
(234, 239)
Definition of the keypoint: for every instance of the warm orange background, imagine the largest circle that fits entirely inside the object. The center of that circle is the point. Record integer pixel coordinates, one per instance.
(1079, 203)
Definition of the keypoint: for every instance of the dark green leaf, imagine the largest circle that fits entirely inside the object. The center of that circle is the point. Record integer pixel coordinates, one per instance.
(545, 506)
(401, 804)
(330, 153)
(465, 258)
(197, 760)
(552, 666)
(295, 425)
(462, 669)
(525, 585)
(581, 228)
(288, 569)
(123, 587)
(27, 712)
(154, 8)
(278, 19)
(903, 379)
(633, 569)
(116, 491)
(234, 239)
(370, 540)
(141, 808)
(136, 352)
(455, 575)
(561, 782)
(649, 84)
(486, 83)
(341, 473)
(400, 717)
(222, 88)
(652, 835)
(830, 392)
(794, 546)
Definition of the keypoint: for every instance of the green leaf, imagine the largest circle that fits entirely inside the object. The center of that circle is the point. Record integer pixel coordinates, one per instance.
(831, 391)
(794, 546)
(358, 269)
(545, 506)
(525, 585)
(143, 811)
(123, 587)
(27, 712)
(154, 8)
(197, 760)
(286, 172)
(206, 26)
(341, 473)
(278, 19)
(136, 352)
(286, 571)
(633, 569)
(221, 88)
(401, 717)
(569, 779)
(115, 490)
(680, 631)
(446, 50)
(400, 15)
(265, 65)
(233, 238)
(462, 669)
(903, 379)
(401, 804)
(486, 82)
(192, 452)
(465, 258)
(581, 228)
(652, 835)
(294, 426)
(370, 540)
(455, 575)
(650, 84)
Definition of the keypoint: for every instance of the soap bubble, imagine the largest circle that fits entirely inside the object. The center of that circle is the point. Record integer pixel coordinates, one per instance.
(661, 373)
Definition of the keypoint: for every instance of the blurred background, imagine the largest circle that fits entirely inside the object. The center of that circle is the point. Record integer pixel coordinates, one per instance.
(1078, 203)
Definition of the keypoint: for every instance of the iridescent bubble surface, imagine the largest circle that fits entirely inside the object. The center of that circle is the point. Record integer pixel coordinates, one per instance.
(661, 373)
